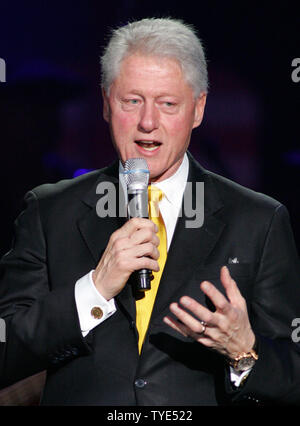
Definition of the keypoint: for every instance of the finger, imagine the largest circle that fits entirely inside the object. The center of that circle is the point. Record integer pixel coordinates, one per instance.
(144, 235)
(186, 332)
(141, 250)
(120, 244)
(133, 257)
(232, 291)
(132, 226)
(188, 320)
(131, 262)
(139, 223)
(216, 323)
(216, 297)
(145, 263)
(138, 257)
(198, 310)
(181, 328)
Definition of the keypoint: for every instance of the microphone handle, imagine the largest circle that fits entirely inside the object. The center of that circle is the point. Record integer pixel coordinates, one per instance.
(138, 207)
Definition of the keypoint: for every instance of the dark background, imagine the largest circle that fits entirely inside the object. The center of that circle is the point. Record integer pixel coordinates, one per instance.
(51, 124)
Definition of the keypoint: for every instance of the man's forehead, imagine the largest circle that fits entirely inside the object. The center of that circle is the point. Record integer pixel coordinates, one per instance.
(149, 63)
(139, 72)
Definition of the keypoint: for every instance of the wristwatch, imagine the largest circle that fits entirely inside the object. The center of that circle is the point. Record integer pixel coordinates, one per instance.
(244, 361)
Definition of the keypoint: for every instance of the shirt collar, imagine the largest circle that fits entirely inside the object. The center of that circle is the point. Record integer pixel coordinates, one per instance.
(174, 186)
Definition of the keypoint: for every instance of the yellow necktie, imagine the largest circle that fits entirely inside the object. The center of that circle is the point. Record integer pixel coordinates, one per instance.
(144, 306)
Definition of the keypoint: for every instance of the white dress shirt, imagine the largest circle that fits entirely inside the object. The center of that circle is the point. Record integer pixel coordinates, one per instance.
(86, 294)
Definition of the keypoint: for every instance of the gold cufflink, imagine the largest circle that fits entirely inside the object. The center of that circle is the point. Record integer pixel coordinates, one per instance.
(97, 312)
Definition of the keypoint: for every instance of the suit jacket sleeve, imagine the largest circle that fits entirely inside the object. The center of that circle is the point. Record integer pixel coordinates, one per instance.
(42, 326)
(275, 303)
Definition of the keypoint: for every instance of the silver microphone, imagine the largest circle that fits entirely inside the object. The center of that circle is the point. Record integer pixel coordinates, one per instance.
(136, 175)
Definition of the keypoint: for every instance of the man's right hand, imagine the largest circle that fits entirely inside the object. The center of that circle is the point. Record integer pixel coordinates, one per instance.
(130, 248)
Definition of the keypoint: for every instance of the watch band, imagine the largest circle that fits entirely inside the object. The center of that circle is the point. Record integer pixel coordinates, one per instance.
(244, 360)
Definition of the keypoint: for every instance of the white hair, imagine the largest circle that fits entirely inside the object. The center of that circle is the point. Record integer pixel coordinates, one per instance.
(162, 37)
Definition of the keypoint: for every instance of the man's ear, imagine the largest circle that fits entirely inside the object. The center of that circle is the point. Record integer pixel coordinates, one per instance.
(199, 109)
(106, 108)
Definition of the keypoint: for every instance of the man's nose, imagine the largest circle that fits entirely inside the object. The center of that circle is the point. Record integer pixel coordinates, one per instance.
(149, 118)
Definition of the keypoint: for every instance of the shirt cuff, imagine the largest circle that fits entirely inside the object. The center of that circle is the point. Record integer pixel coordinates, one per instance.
(88, 297)
(238, 377)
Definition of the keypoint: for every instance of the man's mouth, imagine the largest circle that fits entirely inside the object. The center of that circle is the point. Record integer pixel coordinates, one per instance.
(148, 145)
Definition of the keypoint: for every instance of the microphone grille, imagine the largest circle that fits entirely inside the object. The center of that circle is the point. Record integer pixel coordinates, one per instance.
(136, 171)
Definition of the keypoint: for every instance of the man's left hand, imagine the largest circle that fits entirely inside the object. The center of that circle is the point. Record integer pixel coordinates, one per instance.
(227, 330)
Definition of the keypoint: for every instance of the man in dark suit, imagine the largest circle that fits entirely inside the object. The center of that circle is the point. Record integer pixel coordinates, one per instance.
(219, 329)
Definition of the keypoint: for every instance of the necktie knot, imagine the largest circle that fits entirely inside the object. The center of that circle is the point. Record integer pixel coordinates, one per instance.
(155, 195)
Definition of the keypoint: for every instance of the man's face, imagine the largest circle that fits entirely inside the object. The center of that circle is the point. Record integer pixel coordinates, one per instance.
(152, 111)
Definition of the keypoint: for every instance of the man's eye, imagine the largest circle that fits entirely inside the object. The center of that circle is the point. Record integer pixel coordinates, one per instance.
(133, 101)
(169, 105)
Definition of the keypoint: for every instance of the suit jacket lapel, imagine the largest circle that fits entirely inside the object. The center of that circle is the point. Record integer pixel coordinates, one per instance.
(190, 247)
(94, 229)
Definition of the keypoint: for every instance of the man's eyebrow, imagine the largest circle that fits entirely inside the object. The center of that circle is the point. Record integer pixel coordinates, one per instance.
(133, 92)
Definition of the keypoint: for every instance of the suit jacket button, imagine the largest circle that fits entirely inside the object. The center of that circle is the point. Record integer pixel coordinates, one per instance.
(140, 383)
(97, 312)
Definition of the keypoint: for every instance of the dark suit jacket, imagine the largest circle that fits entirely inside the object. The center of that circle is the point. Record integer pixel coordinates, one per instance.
(59, 238)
